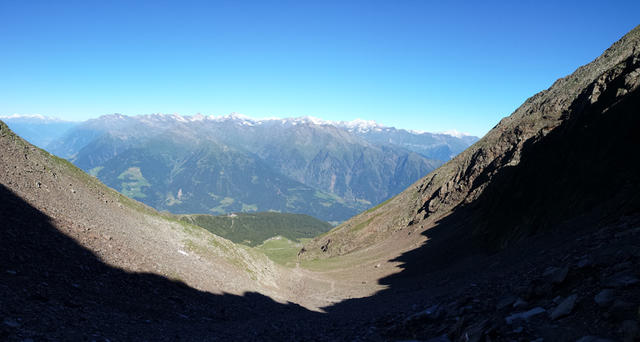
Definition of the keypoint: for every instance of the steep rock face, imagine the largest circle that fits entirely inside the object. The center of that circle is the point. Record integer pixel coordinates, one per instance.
(338, 162)
(566, 151)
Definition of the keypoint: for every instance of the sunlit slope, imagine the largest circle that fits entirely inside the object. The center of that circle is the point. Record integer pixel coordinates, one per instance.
(126, 233)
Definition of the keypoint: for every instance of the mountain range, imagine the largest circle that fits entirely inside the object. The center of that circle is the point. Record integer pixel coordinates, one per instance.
(38, 129)
(217, 165)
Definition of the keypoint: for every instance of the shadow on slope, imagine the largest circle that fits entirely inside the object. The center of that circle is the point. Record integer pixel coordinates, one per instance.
(53, 288)
(586, 167)
(579, 177)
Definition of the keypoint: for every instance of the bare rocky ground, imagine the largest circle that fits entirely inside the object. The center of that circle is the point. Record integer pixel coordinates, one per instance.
(554, 287)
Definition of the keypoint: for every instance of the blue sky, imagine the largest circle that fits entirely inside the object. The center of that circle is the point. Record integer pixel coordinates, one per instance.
(427, 65)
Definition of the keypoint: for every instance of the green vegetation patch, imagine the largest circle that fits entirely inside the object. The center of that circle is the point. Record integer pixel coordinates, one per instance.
(282, 250)
(249, 207)
(379, 205)
(253, 228)
(95, 171)
(134, 182)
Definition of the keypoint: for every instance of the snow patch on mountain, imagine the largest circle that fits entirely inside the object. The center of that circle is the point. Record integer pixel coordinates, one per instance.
(32, 117)
(456, 134)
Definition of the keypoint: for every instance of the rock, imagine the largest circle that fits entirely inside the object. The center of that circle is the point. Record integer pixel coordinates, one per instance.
(519, 304)
(584, 262)
(442, 338)
(475, 333)
(629, 330)
(556, 275)
(622, 279)
(10, 322)
(506, 301)
(604, 298)
(464, 309)
(564, 308)
(432, 313)
(623, 266)
(543, 290)
(592, 339)
(621, 310)
(524, 315)
(325, 246)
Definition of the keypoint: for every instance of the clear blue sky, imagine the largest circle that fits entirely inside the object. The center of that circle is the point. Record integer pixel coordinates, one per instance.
(429, 65)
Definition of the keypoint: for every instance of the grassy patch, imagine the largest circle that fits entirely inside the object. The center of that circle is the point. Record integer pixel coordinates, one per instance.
(249, 207)
(227, 201)
(282, 250)
(253, 228)
(329, 197)
(95, 171)
(171, 200)
(379, 205)
(134, 182)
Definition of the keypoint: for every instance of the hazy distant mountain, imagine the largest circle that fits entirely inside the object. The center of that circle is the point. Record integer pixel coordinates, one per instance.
(205, 164)
(38, 129)
(438, 146)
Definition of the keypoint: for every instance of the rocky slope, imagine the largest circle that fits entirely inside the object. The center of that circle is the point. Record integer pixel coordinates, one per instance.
(565, 152)
(530, 234)
(123, 232)
(78, 259)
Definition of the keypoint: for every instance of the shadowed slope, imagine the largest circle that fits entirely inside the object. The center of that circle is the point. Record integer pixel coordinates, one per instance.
(464, 179)
(52, 288)
(554, 186)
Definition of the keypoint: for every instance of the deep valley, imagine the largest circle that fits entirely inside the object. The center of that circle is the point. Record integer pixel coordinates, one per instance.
(530, 233)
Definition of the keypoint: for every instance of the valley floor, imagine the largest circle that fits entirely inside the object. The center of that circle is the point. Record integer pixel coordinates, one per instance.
(554, 287)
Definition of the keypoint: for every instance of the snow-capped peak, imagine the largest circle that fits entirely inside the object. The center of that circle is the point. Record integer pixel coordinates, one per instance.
(179, 118)
(360, 125)
(31, 117)
(456, 134)
(306, 120)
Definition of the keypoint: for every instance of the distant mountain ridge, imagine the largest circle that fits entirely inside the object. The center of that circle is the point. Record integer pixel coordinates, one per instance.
(38, 129)
(233, 163)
